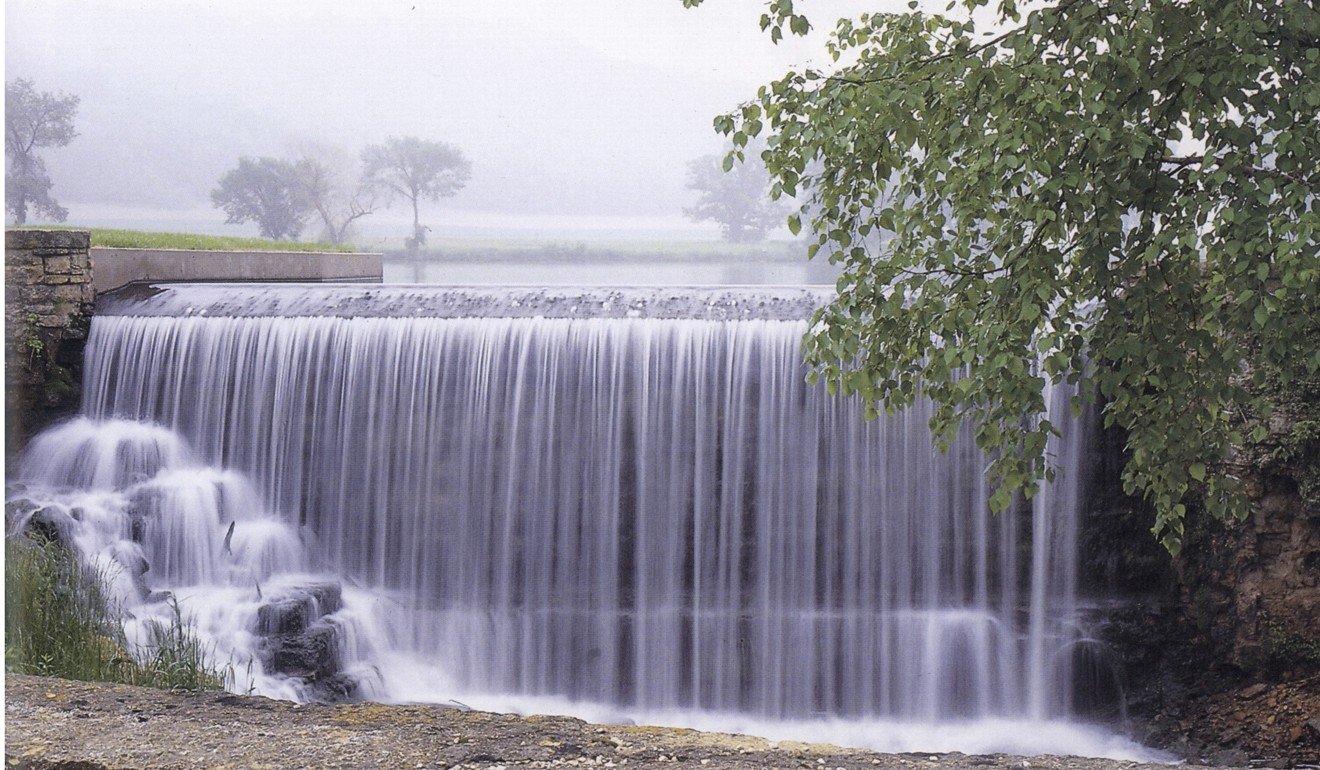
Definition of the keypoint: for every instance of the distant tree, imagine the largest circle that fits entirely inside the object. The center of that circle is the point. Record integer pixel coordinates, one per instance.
(335, 192)
(736, 196)
(415, 169)
(34, 120)
(268, 191)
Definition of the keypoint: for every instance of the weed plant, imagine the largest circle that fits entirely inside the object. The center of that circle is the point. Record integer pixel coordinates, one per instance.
(60, 622)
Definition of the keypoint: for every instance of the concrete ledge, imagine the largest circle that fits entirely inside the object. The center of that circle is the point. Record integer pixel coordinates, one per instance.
(113, 268)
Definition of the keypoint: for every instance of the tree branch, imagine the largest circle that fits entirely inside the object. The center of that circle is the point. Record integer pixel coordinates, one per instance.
(972, 51)
(1184, 161)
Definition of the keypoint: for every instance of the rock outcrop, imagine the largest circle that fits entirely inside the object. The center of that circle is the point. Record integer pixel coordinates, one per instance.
(1221, 646)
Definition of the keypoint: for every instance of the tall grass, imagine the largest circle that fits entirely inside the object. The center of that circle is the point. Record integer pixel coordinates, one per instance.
(176, 659)
(60, 622)
(56, 617)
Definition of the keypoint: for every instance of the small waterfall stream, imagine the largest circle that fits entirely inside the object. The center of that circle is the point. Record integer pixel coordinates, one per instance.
(609, 502)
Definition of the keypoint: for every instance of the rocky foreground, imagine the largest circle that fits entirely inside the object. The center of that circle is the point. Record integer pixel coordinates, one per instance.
(58, 724)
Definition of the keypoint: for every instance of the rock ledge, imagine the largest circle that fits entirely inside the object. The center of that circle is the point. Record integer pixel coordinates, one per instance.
(55, 723)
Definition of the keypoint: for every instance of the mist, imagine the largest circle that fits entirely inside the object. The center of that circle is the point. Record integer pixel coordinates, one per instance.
(579, 118)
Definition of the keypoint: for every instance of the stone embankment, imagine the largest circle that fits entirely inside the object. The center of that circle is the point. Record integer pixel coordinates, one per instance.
(54, 723)
(48, 303)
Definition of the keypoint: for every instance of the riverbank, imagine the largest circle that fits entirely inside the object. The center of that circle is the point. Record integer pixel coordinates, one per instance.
(55, 723)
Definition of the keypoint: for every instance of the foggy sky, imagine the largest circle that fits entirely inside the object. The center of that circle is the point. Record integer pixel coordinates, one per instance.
(575, 114)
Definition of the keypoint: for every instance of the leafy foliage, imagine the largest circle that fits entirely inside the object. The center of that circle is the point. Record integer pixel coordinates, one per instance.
(268, 191)
(738, 198)
(34, 120)
(1118, 191)
(415, 170)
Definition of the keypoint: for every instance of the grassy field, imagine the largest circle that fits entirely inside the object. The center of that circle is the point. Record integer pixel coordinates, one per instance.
(139, 239)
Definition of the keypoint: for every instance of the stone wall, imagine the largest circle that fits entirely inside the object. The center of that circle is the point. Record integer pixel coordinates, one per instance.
(48, 300)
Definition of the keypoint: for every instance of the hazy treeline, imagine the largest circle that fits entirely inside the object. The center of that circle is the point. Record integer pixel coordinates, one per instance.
(281, 195)
(324, 191)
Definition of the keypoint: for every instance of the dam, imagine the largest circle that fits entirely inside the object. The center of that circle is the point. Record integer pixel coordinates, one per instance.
(615, 502)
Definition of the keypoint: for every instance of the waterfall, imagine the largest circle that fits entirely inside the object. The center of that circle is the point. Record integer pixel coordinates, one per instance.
(629, 498)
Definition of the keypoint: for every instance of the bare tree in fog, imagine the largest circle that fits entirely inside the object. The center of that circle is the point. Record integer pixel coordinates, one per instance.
(335, 190)
(268, 191)
(415, 170)
(34, 120)
(736, 196)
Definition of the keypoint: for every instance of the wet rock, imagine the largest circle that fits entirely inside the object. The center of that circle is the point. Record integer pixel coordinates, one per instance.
(135, 566)
(18, 509)
(339, 688)
(46, 523)
(302, 642)
(293, 612)
(309, 654)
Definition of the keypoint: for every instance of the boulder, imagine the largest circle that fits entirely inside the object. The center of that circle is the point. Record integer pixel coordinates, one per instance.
(291, 613)
(300, 641)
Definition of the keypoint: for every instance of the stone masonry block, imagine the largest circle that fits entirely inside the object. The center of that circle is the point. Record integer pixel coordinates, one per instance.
(58, 264)
(73, 292)
(29, 295)
(47, 239)
(17, 275)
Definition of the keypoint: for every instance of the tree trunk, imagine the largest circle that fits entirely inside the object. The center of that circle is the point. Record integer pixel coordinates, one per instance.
(417, 227)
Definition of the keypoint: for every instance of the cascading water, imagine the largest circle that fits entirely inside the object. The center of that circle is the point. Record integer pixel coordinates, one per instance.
(596, 501)
(156, 524)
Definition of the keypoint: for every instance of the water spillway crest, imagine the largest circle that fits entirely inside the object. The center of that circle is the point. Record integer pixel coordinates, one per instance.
(615, 503)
